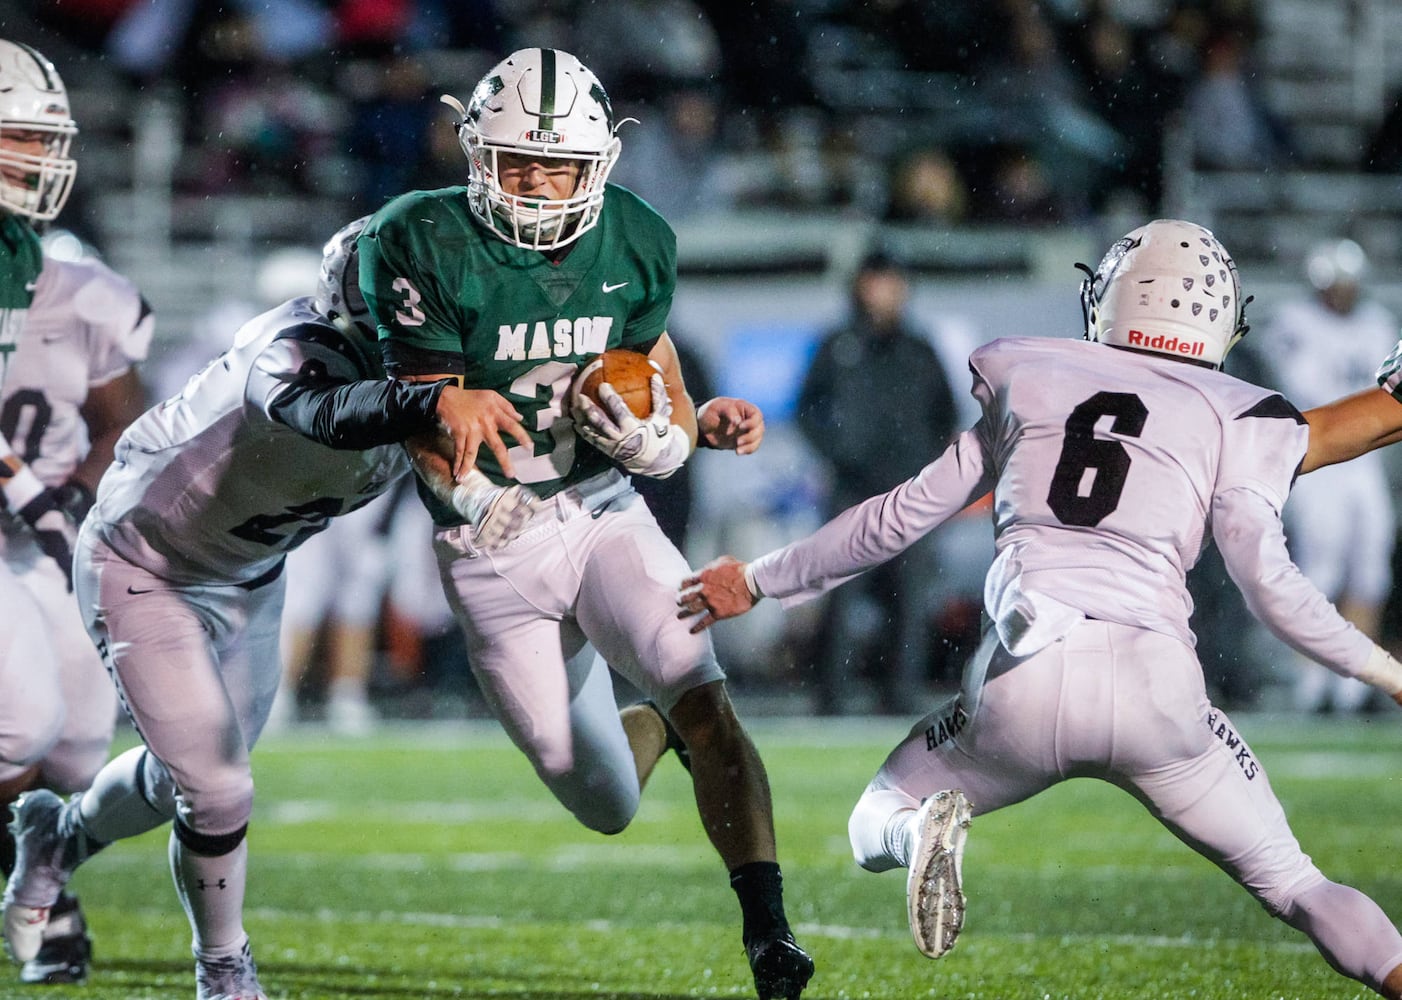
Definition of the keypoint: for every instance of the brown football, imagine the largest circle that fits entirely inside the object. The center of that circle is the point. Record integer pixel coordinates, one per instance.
(630, 374)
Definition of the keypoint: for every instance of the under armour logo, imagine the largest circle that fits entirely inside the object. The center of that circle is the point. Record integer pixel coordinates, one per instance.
(220, 884)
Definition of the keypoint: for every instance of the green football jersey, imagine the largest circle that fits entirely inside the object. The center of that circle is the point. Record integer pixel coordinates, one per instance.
(451, 298)
(21, 259)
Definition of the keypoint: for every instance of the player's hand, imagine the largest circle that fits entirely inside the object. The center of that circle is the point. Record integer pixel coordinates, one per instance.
(474, 417)
(717, 592)
(497, 514)
(730, 424)
(55, 529)
(653, 447)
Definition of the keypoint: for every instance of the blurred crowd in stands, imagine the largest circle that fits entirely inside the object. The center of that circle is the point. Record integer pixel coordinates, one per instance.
(1010, 111)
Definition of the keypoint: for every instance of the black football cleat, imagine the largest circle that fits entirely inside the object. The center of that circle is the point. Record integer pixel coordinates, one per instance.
(66, 949)
(782, 969)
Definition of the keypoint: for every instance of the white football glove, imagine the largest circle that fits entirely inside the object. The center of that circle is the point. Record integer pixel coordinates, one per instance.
(654, 447)
(497, 514)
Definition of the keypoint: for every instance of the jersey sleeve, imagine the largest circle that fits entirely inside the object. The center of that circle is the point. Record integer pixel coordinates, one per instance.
(879, 528)
(649, 321)
(309, 380)
(119, 319)
(1248, 532)
(418, 319)
(1263, 443)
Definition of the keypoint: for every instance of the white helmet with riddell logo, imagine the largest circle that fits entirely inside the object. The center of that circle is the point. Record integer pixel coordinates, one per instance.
(35, 178)
(338, 295)
(542, 103)
(1169, 288)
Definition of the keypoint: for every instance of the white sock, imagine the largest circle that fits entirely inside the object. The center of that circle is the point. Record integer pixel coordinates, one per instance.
(114, 807)
(211, 890)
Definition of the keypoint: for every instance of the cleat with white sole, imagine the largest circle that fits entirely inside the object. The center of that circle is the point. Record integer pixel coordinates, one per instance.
(934, 888)
(233, 977)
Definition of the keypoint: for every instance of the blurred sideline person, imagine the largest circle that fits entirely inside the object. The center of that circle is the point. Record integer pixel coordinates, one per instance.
(874, 403)
(1109, 460)
(178, 573)
(71, 334)
(1341, 523)
(510, 285)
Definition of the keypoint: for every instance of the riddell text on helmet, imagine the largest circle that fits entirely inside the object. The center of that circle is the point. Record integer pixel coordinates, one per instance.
(1159, 342)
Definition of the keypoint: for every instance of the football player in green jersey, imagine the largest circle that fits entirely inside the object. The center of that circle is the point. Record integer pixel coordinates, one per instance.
(511, 283)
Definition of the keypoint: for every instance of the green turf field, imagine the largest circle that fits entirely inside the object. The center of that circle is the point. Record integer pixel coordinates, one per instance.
(429, 863)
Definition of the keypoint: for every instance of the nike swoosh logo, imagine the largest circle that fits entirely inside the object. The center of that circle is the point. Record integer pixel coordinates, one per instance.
(148, 590)
(613, 288)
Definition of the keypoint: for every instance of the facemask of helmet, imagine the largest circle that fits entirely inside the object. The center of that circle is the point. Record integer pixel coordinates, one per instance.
(338, 287)
(35, 178)
(1169, 288)
(540, 103)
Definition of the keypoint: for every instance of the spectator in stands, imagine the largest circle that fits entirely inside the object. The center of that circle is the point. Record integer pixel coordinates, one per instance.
(677, 138)
(926, 187)
(1340, 521)
(1230, 125)
(876, 403)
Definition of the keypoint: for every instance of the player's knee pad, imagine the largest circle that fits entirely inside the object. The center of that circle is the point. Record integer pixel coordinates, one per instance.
(603, 798)
(876, 824)
(215, 809)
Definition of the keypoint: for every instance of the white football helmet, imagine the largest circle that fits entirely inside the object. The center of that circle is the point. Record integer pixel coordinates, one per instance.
(544, 103)
(1170, 288)
(34, 182)
(1337, 262)
(338, 294)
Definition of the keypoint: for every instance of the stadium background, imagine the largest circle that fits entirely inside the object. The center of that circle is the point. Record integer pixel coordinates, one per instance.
(221, 143)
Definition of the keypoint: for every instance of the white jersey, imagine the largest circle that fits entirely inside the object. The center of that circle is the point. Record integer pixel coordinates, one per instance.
(1107, 469)
(86, 326)
(209, 488)
(1319, 356)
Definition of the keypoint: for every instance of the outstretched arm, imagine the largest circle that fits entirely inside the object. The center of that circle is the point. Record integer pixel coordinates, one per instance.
(859, 538)
(1352, 426)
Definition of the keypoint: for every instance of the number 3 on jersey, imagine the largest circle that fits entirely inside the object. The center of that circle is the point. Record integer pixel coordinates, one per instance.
(1107, 460)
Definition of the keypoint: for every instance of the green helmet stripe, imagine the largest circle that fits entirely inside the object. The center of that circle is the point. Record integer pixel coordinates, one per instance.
(547, 89)
(42, 63)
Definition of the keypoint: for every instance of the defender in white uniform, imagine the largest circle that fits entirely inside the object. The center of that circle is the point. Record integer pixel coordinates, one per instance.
(69, 389)
(1340, 523)
(1108, 467)
(178, 575)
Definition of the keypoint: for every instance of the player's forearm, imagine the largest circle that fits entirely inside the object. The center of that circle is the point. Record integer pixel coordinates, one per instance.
(359, 415)
(1352, 426)
(876, 529)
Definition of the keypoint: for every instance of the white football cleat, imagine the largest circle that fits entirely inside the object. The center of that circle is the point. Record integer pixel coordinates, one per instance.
(39, 874)
(934, 891)
(234, 977)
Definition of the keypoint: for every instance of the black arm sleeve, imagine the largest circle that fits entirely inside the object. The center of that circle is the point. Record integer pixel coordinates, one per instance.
(354, 416)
